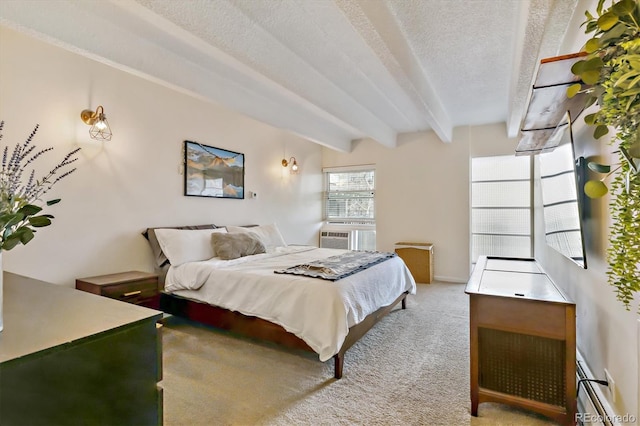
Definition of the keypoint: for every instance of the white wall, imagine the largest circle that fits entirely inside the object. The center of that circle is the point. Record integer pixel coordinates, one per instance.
(421, 195)
(607, 334)
(133, 182)
(490, 140)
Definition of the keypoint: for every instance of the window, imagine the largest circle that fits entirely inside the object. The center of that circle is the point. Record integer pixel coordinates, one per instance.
(350, 195)
(501, 215)
(349, 205)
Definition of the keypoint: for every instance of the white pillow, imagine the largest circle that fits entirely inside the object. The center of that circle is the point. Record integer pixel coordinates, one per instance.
(186, 245)
(269, 234)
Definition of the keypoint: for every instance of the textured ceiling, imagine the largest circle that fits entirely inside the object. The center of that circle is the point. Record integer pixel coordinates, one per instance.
(332, 71)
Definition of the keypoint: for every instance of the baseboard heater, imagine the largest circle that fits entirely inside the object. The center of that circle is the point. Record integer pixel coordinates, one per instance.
(593, 409)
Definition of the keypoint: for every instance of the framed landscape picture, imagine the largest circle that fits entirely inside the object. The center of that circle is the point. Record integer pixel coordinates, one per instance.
(212, 172)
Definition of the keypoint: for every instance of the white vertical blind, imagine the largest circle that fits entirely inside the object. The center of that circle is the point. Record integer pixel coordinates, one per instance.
(501, 207)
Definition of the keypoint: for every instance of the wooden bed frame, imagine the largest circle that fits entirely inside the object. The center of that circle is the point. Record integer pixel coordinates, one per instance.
(261, 329)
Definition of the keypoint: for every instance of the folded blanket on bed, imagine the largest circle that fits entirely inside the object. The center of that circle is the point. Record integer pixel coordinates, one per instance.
(337, 267)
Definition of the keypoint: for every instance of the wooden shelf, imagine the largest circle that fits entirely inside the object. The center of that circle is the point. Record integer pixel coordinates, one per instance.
(549, 105)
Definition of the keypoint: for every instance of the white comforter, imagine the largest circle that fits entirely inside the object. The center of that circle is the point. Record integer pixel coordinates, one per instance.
(319, 312)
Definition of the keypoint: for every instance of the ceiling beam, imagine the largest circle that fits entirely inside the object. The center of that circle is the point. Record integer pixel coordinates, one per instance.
(100, 29)
(381, 30)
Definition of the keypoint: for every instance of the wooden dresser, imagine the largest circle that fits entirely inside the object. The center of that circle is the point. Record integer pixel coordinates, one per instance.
(523, 339)
(69, 358)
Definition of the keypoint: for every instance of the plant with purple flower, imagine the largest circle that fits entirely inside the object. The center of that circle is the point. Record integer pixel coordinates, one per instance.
(21, 191)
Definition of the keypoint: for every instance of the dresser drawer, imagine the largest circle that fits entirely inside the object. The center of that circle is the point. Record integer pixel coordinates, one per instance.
(136, 290)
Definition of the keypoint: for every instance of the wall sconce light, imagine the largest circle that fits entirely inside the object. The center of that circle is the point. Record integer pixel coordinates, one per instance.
(100, 129)
(294, 165)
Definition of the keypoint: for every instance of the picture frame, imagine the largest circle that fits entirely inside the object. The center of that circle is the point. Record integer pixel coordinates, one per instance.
(212, 172)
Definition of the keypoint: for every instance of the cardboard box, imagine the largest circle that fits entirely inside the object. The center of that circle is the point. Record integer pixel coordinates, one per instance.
(419, 259)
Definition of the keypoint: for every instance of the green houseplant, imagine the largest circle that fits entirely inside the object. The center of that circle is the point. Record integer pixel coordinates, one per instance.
(610, 74)
(21, 193)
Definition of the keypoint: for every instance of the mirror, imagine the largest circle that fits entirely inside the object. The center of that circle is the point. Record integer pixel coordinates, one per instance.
(560, 187)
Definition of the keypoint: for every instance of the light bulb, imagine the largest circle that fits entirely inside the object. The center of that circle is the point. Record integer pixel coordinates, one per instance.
(100, 125)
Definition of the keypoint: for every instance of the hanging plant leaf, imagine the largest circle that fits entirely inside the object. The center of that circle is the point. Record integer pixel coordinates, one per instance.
(598, 91)
(590, 77)
(600, 131)
(578, 67)
(590, 101)
(607, 21)
(599, 168)
(592, 45)
(617, 91)
(624, 7)
(613, 34)
(633, 162)
(627, 76)
(595, 189)
(573, 90)
(634, 61)
(591, 27)
(634, 149)
(590, 119)
(630, 93)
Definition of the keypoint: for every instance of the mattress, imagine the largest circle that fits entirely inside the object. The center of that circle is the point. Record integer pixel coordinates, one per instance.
(318, 311)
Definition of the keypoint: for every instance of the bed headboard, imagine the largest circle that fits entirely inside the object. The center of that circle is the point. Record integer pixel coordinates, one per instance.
(161, 263)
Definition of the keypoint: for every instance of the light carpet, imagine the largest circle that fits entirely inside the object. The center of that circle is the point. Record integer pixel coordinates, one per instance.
(412, 368)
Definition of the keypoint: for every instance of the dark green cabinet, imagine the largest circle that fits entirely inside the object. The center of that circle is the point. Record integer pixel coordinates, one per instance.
(68, 357)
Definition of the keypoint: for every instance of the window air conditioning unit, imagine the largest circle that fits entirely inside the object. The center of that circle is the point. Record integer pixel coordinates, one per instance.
(335, 239)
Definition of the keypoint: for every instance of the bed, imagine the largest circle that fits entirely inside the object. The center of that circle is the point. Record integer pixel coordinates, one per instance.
(244, 295)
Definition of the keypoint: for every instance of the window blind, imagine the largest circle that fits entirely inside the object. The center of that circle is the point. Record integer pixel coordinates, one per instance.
(350, 196)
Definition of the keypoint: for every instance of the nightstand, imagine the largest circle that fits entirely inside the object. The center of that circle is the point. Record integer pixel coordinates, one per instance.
(139, 288)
